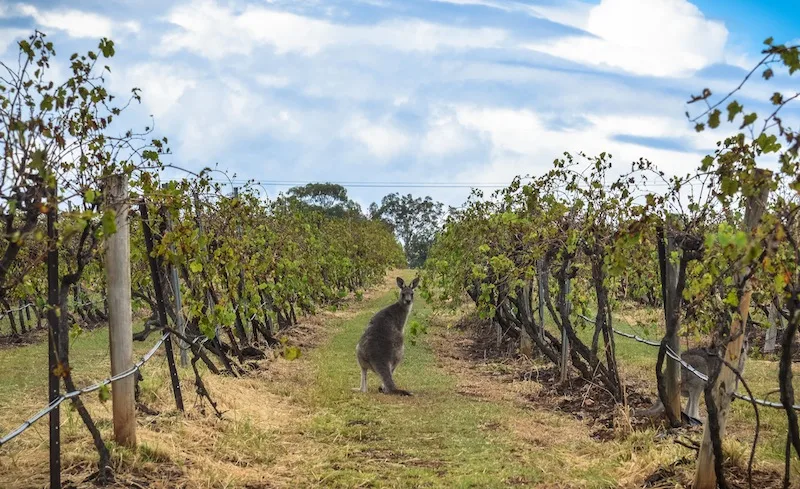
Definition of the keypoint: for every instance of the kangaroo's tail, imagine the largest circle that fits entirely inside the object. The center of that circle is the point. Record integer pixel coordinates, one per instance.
(655, 410)
(385, 373)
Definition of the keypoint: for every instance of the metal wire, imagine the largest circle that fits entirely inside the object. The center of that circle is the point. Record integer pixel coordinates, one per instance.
(86, 390)
(671, 353)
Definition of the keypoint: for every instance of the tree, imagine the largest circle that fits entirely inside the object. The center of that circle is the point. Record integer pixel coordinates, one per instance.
(414, 220)
(329, 198)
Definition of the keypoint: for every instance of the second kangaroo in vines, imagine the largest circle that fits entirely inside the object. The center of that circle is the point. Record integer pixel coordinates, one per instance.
(381, 348)
(691, 385)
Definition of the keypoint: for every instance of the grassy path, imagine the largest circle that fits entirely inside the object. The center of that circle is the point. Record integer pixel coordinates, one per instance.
(438, 438)
(299, 423)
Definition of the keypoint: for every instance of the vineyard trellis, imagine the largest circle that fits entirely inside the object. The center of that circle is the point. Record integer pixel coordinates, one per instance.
(246, 269)
(700, 247)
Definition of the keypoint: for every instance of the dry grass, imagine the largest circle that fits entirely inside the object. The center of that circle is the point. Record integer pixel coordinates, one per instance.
(476, 420)
(260, 441)
(634, 449)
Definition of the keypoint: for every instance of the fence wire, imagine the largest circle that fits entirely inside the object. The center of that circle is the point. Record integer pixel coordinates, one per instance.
(86, 390)
(671, 353)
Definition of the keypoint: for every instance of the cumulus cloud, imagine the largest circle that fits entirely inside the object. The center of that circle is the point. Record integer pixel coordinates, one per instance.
(522, 142)
(644, 37)
(8, 37)
(272, 81)
(382, 139)
(162, 84)
(77, 23)
(446, 136)
(216, 31)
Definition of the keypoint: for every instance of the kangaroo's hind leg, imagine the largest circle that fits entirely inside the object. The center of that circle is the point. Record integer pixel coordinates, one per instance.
(385, 372)
(363, 379)
(364, 366)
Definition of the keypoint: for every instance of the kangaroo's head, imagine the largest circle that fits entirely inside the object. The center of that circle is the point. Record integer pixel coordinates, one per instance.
(407, 291)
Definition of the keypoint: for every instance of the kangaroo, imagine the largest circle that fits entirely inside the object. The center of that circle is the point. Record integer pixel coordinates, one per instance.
(693, 386)
(381, 348)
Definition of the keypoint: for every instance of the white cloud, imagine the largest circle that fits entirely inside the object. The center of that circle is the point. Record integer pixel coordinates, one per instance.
(215, 32)
(8, 38)
(162, 84)
(522, 143)
(217, 115)
(77, 23)
(509, 6)
(568, 12)
(644, 37)
(272, 81)
(445, 136)
(382, 139)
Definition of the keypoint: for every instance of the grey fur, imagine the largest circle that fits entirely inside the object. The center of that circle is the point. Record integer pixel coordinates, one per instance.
(381, 347)
(691, 385)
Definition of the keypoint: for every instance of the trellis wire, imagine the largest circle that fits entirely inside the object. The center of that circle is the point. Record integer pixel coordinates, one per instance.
(86, 390)
(691, 369)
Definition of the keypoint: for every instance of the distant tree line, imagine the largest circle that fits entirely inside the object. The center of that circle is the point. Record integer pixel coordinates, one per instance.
(414, 220)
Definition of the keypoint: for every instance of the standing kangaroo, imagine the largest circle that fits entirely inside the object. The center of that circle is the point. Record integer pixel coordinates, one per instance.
(381, 348)
(691, 385)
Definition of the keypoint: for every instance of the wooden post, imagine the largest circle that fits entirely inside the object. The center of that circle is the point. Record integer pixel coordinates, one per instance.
(200, 227)
(23, 327)
(706, 477)
(120, 322)
(525, 340)
(772, 332)
(669, 291)
(240, 289)
(542, 283)
(54, 341)
(564, 373)
(162, 310)
(180, 325)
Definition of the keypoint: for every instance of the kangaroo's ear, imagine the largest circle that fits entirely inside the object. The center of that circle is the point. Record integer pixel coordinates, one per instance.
(400, 282)
(414, 283)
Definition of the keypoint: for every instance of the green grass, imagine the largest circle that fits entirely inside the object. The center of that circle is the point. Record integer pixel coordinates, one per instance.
(438, 437)
(638, 360)
(23, 372)
(461, 428)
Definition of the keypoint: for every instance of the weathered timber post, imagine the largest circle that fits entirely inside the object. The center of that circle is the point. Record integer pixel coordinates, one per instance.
(180, 325)
(120, 321)
(772, 333)
(564, 373)
(542, 282)
(706, 477)
(669, 296)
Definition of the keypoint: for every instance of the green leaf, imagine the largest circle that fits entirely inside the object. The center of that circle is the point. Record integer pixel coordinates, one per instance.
(734, 108)
(768, 73)
(195, 266)
(107, 47)
(104, 393)
(109, 222)
(713, 119)
(291, 353)
(90, 196)
(749, 119)
(46, 103)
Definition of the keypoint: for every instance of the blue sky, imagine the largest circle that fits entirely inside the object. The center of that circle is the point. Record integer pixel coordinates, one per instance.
(416, 90)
